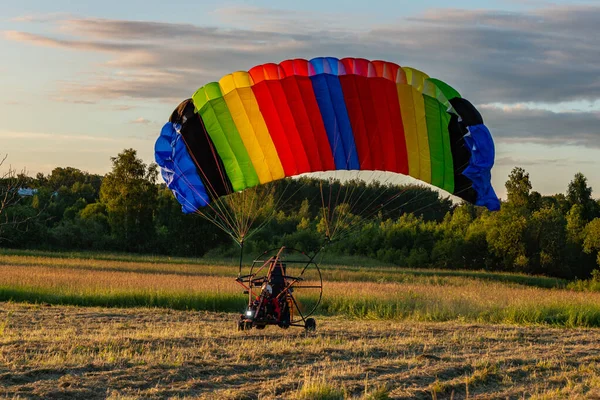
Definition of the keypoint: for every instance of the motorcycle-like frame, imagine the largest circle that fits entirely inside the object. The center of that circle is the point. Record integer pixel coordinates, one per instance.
(274, 264)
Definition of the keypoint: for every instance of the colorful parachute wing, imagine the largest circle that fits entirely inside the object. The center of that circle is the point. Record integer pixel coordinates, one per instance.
(299, 116)
(179, 170)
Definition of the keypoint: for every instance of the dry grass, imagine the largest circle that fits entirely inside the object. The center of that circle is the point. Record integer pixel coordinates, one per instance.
(381, 344)
(421, 298)
(92, 264)
(70, 352)
(331, 272)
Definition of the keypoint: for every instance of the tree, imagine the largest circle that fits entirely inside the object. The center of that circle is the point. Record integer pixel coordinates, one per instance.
(556, 200)
(461, 219)
(68, 177)
(506, 240)
(575, 224)
(535, 201)
(518, 187)
(304, 215)
(546, 242)
(580, 193)
(591, 243)
(129, 193)
(183, 234)
(12, 218)
(579, 262)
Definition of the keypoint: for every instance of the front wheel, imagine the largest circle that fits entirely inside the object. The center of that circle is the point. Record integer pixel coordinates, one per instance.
(244, 325)
(310, 325)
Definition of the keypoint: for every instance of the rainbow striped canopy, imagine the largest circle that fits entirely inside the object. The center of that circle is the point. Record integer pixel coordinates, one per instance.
(299, 116)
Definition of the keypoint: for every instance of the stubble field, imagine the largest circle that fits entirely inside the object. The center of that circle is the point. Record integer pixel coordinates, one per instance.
(104, 327)
(75, 352)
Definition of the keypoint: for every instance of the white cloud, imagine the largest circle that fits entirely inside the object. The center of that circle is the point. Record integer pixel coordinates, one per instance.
(141, 121)
(538, 55)
(42, 18)
(509, 61)
(57, 136)
(521, 124)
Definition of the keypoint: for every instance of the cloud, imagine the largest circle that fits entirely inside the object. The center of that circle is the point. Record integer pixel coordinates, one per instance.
(151, 31)
(286, 21)
(141, 121)
(538, 55)
(524, 162)
(42, 18)
(45, 41)
(144, 84)
(62, 99)
(57, 137)
(520, 124)
(122, 107)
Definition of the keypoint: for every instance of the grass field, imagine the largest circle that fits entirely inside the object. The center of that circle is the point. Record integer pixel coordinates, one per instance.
(95, 353)
(154, 327)
(355, 292)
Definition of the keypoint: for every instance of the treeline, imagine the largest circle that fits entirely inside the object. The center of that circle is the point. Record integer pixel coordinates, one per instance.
(413, 226)
(556, 235)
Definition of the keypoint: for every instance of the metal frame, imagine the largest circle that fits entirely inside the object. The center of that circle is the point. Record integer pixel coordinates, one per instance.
(252, 281)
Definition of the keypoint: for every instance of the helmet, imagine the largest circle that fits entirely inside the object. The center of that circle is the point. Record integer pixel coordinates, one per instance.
(266, 287)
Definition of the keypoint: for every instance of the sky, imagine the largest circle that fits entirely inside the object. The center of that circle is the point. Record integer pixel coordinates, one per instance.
(81, 81)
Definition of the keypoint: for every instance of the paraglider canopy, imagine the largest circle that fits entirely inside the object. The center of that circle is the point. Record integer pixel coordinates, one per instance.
(283, 120)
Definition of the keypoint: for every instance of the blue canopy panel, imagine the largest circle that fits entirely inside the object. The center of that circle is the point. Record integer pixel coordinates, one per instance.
(330, 98)
(178, 169)
(480, 143)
